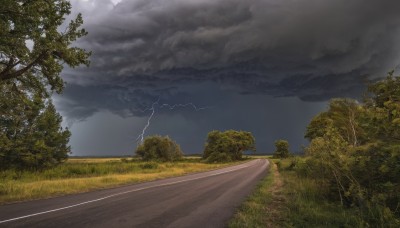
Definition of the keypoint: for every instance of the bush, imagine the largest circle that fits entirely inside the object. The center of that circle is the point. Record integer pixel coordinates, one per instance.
(158, 148)
(149, 165)
(218, 157)
(227, 146)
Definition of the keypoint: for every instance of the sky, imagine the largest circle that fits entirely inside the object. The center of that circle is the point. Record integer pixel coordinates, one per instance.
(264, 66)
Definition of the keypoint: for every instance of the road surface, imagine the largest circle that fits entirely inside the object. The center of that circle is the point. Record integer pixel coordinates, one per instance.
(207, 199)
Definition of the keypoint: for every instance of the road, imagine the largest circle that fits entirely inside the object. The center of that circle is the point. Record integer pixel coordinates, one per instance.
(207, 199)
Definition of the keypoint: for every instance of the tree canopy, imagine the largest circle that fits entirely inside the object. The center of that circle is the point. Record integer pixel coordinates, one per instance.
(228, 145)
(159, 148)
(355, 150)
(35, 44)
(32, 45)
(282, 149)
(31, 136)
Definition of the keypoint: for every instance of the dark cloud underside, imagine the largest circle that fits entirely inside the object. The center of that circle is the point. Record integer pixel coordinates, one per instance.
(144, 50)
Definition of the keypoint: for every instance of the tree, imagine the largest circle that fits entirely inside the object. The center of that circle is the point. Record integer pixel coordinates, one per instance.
(31, 136)
(359, 139)
(329, 163)
(31, 44)
(159, 148)
(343, 114)
(384, 106)
(228, 145)
(282, 149)
(318, 125)
(33, 50)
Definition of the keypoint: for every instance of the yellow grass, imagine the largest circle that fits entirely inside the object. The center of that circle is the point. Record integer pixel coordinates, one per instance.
(21, 190)
(92, 160)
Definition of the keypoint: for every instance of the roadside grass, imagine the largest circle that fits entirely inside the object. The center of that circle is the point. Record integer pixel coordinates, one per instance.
(263, 208)
(79, 175)
(307, 205)
(285, 199)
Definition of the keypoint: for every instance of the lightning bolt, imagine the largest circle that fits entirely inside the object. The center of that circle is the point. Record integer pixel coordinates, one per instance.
(153, 110)
(170, 107)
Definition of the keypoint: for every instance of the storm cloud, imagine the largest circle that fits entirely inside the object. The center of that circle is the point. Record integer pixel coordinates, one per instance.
(144, 50)
(258, 46)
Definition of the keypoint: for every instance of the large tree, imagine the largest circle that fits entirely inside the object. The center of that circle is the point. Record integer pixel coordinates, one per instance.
(159, 148)
(228, 145)
(35, 44)
(31, 136)
(32, 45)
(355, 151)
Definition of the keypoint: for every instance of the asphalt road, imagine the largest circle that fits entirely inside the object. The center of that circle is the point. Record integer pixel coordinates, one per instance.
(207, 199)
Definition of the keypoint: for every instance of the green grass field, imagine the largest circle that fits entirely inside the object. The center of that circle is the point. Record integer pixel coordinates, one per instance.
(85, 174)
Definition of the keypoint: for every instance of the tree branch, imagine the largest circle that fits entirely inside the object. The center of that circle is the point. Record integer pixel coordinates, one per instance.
(6, 74)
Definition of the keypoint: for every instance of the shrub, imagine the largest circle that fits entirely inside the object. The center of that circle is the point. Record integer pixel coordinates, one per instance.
(218, 157)
(149, 165)
(158, 148)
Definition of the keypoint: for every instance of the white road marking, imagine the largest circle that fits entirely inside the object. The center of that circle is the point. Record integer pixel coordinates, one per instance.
(126, 192)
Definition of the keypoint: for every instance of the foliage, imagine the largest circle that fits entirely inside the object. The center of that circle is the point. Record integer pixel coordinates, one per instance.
(359, 139)
(149, 165)
(228, 145)
(159, 148)
(306, 202)
(31, 136)
(34, 47)
(383, 105)
(282, 149)
(343, 114)
(31, 44)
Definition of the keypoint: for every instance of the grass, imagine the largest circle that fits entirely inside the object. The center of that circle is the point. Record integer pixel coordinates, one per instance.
(92, 160)
(284, 199)
(308, 206)
(263, 208)
(82, 175)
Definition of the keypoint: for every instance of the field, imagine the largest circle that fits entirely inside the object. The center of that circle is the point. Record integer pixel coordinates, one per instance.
(85, 174)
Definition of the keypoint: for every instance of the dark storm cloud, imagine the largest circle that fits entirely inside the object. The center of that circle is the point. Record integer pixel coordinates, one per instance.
(312, 49)
(80, 102)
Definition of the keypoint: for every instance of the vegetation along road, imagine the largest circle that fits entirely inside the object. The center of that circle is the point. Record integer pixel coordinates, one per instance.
(207, 199)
